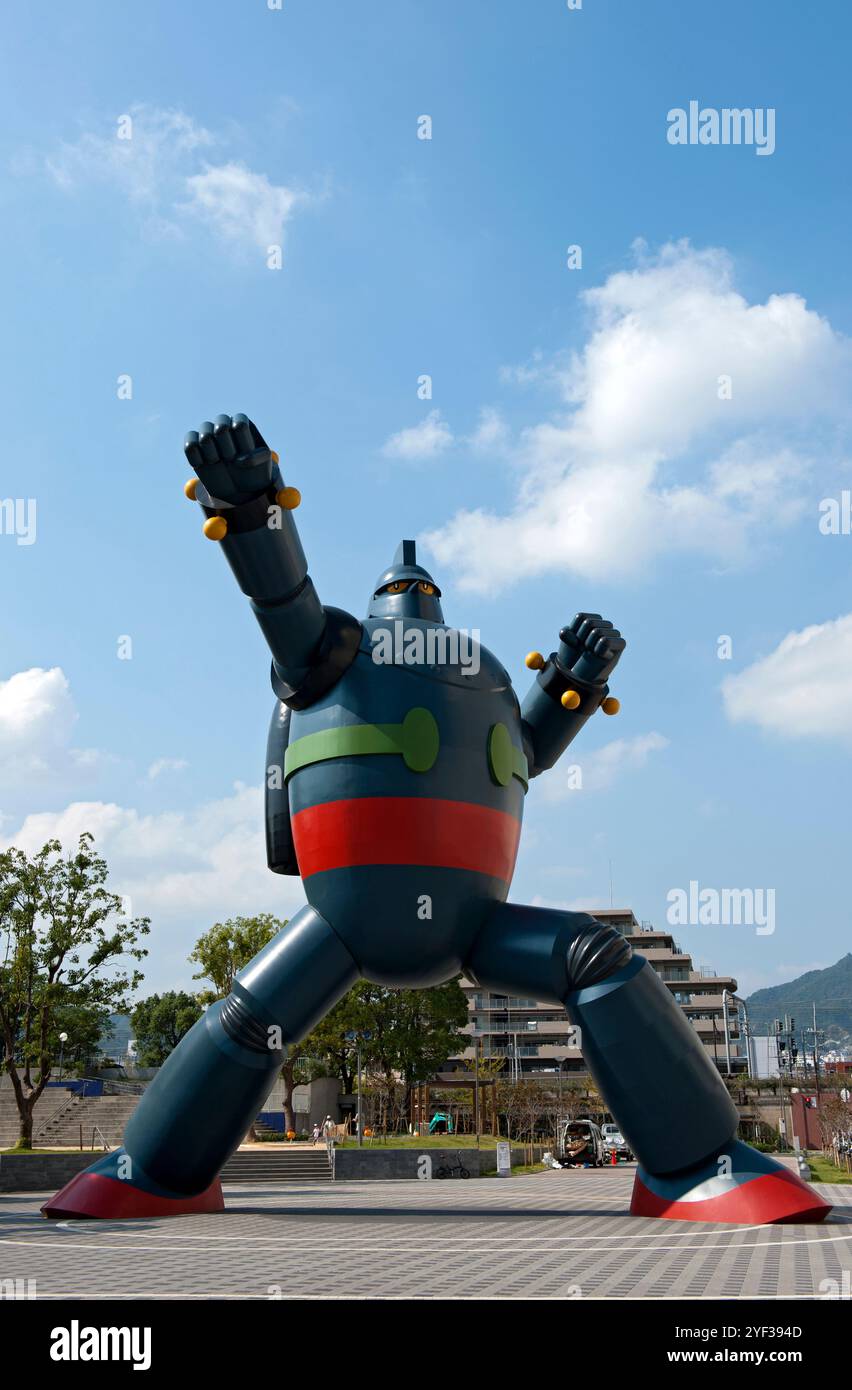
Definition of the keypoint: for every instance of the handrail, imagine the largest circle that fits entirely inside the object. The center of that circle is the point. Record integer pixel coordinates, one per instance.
(66, 1104)
(113, 1086)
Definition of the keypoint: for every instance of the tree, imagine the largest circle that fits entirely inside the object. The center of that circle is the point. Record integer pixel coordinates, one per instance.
(227, 947)
(521, 1103)
(63, 933)
(425, 1029)
(329, 1042)
(412, 1033)
(159, 1023)
(487, 1069)
(84, 1026)
(835, 1119)
(222, 952)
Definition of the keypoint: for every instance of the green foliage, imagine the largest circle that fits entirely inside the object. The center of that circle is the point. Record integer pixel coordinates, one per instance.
(227, 947)
(64, 936)
(159, 1023)
(830, 989)
(413, 1031)
(84, 1024)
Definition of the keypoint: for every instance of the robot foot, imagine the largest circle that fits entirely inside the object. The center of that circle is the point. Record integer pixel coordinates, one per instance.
(103, 1191)
(749, 1188)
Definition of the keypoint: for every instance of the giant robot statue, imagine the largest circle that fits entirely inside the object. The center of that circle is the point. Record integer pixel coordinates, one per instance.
(397, 766)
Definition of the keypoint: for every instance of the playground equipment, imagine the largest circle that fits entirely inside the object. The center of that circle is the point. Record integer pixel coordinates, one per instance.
(439, 1119)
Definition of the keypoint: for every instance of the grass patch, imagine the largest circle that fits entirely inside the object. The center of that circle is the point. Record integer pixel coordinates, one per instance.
(824, 1170)
(428, 1141)
(36, 1153)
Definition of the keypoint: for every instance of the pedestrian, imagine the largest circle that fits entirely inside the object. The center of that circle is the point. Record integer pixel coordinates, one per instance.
(315, 1135)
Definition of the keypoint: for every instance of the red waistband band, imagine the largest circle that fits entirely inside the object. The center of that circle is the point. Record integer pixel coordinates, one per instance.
(406, 830)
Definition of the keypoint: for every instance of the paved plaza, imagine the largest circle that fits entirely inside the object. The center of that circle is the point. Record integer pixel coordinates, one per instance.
(546, 1235)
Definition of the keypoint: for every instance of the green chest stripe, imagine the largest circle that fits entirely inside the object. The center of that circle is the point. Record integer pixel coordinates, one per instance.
(416, 740)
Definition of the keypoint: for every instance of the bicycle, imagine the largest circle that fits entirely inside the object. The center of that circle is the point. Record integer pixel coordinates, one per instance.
(453, 1170)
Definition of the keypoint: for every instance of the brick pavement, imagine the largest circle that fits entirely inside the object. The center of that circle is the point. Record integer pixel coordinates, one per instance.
(548, 1235)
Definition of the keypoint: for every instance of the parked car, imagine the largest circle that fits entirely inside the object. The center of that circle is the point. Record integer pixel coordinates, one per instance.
(613, 1138)
(580, 1144)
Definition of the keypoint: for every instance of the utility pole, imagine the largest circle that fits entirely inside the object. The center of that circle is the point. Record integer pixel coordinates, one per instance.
(727, 1032)
(358, 1038)
(476, 1055)
(747, 1036)
(816, 1056)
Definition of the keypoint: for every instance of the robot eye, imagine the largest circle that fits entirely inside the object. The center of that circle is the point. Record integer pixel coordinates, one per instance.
(426, 588)
(396, 587)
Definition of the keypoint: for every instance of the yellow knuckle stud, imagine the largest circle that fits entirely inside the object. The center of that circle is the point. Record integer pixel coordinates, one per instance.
(274, 456)
(190, 488)
(534, 661)
(288, 498)
(610, 705)
(215, 528)
(570, 699)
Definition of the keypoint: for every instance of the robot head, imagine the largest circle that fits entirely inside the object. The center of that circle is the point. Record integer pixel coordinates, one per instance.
(406, 590)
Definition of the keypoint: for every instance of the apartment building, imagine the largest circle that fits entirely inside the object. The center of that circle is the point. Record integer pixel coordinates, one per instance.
(534, 1038)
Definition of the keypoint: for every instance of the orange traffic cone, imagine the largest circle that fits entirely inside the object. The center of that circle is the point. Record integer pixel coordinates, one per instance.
(613, 1162)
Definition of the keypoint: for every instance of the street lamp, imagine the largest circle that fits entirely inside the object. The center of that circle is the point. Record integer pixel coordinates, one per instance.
(63, 1038)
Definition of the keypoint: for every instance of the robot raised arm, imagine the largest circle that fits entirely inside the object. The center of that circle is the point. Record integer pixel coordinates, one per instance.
(570, 686)
(249, 513)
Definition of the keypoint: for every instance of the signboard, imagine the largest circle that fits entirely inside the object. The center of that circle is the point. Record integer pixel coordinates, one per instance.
(504, 1160)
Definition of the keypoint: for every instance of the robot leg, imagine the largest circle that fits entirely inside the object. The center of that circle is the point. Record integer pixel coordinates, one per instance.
(201, 1102)
(648, 1063)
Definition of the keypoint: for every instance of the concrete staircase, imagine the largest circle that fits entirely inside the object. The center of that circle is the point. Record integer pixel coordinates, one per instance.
(106, 1114)
(278, 1163)
(59, 1114)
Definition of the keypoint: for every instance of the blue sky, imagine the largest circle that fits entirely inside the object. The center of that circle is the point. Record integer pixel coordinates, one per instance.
(575, 453)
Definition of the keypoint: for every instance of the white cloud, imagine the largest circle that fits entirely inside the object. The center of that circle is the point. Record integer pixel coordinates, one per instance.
(161, 765)
(802, 689)
(37, 716)
(187, 868)
(492, 432)
(159, 142)
(239, 203)
(161, 171)
(523, 374)
(645, 457)
(600, 768)
(431, 437)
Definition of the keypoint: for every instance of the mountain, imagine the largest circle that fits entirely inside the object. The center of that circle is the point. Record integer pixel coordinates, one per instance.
(829, 989)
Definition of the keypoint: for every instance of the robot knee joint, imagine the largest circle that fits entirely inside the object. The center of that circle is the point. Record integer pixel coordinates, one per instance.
(594, 954)
(244, 1027)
